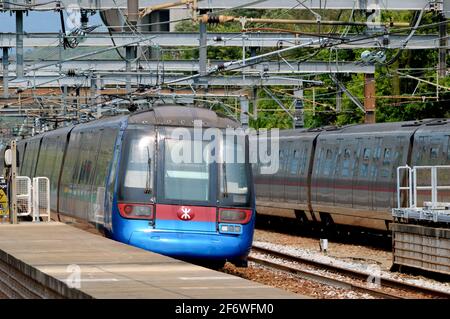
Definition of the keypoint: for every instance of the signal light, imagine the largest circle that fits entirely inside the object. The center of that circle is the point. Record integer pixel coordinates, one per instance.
(136, 211)
(235, 216)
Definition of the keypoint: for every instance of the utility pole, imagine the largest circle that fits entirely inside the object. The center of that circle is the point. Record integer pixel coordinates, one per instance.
(5, 72)
(130, 55)
(203, 51)
(299, 115)
(369, 98)
(244, 111)
(13, 206)
(130, 52)
(19, 43)
(338, 99)
(442, 68)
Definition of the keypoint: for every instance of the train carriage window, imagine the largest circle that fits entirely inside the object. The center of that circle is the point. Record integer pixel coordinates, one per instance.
(294, 163)
(422, 145)
(285, 160)
(346, 163)
(387, 156)
(366, 153)
(355, 166)
(377, 153)
(328, 162)
(364, 171)
(373, 171)
(303, 160)
(434, 151)
(319, 162)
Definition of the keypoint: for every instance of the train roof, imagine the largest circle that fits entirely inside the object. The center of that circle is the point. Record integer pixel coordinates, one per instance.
(387, 127)
(168, 115)
(173, 115)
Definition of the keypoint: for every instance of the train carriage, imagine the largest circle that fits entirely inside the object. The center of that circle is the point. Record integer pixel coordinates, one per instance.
(351, 177)
(119, 175)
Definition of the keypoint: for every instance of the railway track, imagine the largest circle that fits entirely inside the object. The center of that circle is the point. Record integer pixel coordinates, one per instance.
(398, 287)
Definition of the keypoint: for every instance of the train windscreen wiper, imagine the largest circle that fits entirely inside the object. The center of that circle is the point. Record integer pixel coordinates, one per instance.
(148, 182)
(225, 183)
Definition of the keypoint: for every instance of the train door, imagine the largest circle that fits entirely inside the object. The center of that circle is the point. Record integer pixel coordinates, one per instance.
(305, 153)
(361, 174)
(400, 159)
(317, 168)
(382, 194)
(436, 157)
(291, 173)
(277, 187)
(376, 186)
(343, 176)
(326, 184)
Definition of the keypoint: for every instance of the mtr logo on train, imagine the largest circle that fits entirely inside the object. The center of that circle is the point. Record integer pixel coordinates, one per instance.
(185, 213)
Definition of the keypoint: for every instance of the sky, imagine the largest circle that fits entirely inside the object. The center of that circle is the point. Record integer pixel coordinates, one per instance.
(36, 21)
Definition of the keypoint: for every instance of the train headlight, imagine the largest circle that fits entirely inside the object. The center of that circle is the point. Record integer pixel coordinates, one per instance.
(136, 211)
(230, 229)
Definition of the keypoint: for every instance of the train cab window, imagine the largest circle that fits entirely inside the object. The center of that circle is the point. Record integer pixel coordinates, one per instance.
(234, 179)
(294, 163)
(137, 172)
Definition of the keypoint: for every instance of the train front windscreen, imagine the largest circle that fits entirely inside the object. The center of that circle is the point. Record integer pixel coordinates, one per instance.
(184, 170)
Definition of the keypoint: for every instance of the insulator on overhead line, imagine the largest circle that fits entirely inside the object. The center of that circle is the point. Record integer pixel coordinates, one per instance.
(71, 72)
(221, 67)
(218, 39)
(212, 19)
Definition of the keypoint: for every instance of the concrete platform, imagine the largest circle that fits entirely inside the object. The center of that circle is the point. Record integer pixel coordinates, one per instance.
(422, 247)
(40, 260)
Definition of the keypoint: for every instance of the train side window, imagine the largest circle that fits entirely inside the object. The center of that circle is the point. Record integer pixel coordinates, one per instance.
(346, 163)
(328, 161)
(295, 162)
(423, 142)
(373, 171)
(434, 151)
(282, 160)
(448, 148)
(304, 157)
(364, 171)
(366, 153)
(319, 161)
(387, 156)
(377, 153)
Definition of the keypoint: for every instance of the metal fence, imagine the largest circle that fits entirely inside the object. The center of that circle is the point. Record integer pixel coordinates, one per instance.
(425, 191)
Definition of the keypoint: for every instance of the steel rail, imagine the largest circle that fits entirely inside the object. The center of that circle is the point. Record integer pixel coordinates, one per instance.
(325, 279)
(384, 282)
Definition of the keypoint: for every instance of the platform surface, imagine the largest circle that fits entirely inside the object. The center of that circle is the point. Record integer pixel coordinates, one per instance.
(110, 269)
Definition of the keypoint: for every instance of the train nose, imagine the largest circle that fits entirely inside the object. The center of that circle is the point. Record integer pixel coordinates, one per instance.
(185, 218)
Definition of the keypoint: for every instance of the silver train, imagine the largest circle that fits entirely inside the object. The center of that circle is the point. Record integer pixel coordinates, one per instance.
(347, 175)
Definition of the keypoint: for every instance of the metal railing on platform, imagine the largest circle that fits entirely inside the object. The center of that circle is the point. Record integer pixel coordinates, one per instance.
(411, 207)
